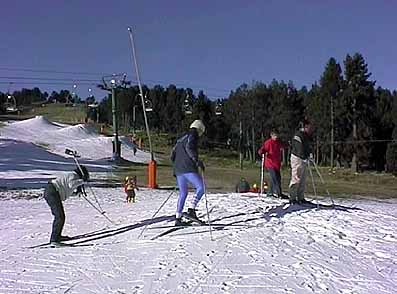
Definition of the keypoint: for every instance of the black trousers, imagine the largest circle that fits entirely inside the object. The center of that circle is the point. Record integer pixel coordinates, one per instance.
(53, 200)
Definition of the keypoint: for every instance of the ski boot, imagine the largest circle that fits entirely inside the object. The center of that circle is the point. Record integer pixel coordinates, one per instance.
(191, 214)
(65, 238)
(180, 223)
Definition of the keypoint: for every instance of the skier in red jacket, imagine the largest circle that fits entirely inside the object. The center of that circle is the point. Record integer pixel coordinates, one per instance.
(271, 148)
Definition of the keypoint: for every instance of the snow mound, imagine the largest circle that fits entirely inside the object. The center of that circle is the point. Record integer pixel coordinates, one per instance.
(26, 165)
(77, 132)
(36, 123)
(55, 138)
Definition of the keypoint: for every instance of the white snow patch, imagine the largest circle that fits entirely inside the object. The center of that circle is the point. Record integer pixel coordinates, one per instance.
(249, 255)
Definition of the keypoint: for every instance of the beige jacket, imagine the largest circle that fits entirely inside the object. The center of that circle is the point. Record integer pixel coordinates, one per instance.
(66, 184)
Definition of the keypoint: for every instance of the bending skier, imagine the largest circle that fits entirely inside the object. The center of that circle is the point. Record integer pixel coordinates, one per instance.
(186, 166)
(59, 190)
(300, 153)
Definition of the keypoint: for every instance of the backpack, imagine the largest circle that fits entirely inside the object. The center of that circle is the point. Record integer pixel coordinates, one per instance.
(243, 186)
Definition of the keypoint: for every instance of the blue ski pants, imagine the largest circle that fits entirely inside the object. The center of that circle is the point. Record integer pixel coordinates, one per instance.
(275, 182)
(183, 179)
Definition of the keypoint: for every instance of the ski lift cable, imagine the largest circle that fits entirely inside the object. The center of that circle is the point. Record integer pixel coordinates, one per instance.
(149, 81)
(51, 71)
(47, 83)
(48, 79)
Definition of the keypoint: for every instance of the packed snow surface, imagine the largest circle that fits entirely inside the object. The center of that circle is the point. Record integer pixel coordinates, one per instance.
(256, 245)
(265, 246)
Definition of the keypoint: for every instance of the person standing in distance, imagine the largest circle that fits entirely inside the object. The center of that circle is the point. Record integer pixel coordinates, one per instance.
(186, 165)
(271, 148)
(300, 153)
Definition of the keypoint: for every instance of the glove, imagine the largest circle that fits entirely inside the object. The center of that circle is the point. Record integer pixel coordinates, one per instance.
(311, 157)
(200, 165)
(79, 190)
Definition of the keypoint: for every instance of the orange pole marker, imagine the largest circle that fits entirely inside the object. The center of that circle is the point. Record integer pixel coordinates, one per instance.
(152, 171)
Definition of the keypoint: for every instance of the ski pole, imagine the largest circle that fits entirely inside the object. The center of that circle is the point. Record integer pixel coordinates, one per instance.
(314, 186)
(96, 208)
(262, 176)
(206, 205)
(96, 199)
(161, 206)
(323, 182)
(75, 155)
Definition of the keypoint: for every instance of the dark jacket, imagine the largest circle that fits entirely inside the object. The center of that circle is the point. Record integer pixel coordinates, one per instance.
(301, 145)
(184, 155)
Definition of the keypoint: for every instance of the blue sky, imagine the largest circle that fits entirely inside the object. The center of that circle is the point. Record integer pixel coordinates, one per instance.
(210, 45)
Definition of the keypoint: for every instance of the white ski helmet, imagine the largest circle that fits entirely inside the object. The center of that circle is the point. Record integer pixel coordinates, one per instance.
(198, 124)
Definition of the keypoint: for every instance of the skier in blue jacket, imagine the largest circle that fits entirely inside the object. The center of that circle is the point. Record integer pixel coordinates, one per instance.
(186, 166)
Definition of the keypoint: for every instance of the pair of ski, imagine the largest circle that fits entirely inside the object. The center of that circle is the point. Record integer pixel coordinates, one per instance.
(190, 223)
(311, 204)
(66, 243)
(59, 245)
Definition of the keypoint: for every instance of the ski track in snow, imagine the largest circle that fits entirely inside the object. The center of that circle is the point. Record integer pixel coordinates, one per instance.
(349, 249)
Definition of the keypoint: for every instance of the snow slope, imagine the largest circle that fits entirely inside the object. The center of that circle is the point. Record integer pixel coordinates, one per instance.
(349, 249)
(56, 138)
(33, 151)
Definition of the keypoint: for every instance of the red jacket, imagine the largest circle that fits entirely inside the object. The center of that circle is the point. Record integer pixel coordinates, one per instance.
(272, 150)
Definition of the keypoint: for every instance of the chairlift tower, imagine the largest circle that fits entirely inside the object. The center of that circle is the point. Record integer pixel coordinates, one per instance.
(111, 84)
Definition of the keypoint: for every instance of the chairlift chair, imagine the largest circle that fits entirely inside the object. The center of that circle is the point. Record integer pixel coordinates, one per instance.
(187, 105)
(148, 105)
(11, 104)
(218, 108)
(188, 109)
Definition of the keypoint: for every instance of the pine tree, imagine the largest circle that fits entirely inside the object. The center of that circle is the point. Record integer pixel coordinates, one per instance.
(360, 103)
(382, 127)
(328, 98)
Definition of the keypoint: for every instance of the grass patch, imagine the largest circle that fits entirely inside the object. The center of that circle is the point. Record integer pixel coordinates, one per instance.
(340, 183)
(58, 112)
(223, 173)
